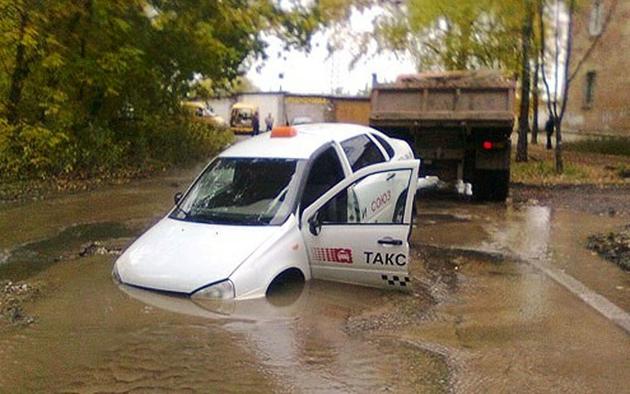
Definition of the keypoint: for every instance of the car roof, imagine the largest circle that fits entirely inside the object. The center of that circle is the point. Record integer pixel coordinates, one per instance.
(309, 138)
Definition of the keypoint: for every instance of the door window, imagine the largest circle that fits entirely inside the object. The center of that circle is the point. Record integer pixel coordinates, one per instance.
(325, 172)
(388, 148)
(376, 198)
(361, 152)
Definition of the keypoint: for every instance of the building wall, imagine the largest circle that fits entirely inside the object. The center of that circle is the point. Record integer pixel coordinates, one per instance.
(284, 107)
(352, 110)
(221, 106)
(609, 64)
(267, 103)
(317, 108)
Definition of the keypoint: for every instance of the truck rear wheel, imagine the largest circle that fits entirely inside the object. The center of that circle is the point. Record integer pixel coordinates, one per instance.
(491, 185)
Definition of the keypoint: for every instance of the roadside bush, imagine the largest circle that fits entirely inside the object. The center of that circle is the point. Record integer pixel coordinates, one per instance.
(33, 151)
(619, 146)
(178, 140)
(36, 152)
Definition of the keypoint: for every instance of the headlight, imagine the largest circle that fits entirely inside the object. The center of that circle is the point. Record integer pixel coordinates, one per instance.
(218, 291)
(115, 274)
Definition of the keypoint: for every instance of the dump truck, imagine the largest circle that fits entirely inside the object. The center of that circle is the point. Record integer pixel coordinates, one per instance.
(458, 123)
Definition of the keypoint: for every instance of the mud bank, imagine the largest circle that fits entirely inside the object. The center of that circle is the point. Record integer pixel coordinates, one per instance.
(606, 200)
(13, 297)
(613, 246)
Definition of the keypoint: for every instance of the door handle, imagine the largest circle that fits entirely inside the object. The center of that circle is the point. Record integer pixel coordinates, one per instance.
(389, 241)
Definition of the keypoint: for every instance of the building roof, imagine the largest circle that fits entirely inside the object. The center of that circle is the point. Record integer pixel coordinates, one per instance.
(309, 138)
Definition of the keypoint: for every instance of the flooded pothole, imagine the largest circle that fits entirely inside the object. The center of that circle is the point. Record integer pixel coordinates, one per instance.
(84, 239)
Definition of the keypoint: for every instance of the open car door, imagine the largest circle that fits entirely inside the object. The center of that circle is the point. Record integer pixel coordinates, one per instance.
(358, 231)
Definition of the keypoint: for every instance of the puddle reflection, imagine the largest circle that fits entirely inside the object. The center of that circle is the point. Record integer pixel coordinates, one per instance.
(298, 333)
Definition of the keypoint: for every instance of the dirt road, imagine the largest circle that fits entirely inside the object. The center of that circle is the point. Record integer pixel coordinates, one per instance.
(483, 316)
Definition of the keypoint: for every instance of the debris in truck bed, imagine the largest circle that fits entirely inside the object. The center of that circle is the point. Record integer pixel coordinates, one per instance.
(470, 79)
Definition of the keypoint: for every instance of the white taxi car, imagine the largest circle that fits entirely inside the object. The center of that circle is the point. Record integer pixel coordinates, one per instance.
(328, 201)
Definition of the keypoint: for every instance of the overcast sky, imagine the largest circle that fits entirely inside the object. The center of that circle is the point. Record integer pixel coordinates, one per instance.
(321, 72)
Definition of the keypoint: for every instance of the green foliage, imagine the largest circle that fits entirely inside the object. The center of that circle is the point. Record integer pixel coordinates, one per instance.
(619, 146)
(89, 86)
(456, 35)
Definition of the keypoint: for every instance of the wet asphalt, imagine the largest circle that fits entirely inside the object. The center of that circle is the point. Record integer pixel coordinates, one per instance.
(485, 315)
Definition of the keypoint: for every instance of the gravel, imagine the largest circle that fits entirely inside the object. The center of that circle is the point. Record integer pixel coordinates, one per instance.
(13, 295)
(613, 246)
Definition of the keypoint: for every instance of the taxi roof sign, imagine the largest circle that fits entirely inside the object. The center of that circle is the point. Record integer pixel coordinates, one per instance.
(283, 132)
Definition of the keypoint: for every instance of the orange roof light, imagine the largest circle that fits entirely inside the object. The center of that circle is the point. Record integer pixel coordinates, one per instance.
(283, 132)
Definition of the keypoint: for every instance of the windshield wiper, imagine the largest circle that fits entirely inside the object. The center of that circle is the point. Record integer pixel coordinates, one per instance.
(178, 209)
(218, 218)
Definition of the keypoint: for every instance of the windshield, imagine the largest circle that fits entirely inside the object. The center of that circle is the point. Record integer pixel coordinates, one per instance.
(242, 191)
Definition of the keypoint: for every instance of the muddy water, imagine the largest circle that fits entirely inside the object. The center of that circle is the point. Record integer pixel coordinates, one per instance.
(93, 336)
(511, 329)
(476, 322)
(30, 258)
(556, 237)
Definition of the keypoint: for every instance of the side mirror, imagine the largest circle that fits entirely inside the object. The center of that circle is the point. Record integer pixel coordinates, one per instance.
(177, 197)
(314, 224)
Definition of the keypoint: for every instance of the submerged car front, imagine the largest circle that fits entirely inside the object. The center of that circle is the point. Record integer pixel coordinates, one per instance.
(234, 216)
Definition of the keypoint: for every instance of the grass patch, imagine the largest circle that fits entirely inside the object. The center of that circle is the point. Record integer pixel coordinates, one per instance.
(579, 168)
(544, 172)
(618, 146)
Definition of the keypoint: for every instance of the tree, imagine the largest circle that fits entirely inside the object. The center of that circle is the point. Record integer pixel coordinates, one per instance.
(101, 81)
(523, 119)
(535, 98)
(458, 35)
(557, 101)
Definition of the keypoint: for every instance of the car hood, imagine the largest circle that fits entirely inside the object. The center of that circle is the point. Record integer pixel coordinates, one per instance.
(183, 256)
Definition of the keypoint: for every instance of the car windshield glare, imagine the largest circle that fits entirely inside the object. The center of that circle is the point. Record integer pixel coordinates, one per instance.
(242, 191)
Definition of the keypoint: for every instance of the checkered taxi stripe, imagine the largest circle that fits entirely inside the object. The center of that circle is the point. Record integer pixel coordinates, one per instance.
(395, 280)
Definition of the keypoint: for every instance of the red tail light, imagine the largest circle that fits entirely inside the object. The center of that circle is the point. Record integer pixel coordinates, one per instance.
(487, 145)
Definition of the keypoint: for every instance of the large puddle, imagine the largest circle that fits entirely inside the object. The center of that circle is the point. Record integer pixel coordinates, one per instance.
(33, 257)
(92, 336)
(476, 321)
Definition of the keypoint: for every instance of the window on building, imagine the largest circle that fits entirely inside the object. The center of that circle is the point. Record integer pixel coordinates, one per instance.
(597, 18)
(589, 88)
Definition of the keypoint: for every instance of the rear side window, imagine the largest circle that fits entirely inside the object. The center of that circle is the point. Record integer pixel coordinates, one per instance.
(388, 148)
(325, 172)
(361, 152)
